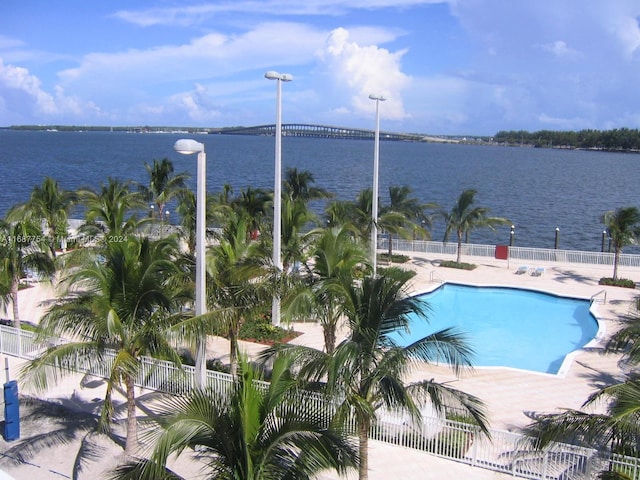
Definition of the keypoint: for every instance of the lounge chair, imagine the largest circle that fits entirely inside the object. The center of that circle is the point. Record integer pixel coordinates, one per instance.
(522, 269)
(537, 272)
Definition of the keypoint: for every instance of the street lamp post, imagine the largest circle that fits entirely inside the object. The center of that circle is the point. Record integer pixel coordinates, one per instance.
(188, 147)
(512, 235)
(604, 236)
(277, 188)
(374, 199)
(557, 242)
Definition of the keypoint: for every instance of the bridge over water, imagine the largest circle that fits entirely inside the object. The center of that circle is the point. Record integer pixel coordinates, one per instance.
(318, 131)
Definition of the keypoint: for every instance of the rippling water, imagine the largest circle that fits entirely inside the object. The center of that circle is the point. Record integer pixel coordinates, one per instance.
(537, 189)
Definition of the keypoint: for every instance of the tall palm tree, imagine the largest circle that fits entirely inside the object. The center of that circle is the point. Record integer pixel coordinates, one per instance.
(252, 432)
(623, 226)
(23, 250)
(48, 203)
(464, 217)
(236, 287)
(163, 184)
(124, 303)
(336, 260)
(367, 370)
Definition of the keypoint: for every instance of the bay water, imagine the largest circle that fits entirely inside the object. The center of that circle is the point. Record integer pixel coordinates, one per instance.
(538, 190)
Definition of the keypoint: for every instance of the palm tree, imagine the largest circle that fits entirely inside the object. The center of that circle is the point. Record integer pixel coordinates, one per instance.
(123, 303)
(297, 186)
(252, 432)
(336, 260)
(358, 213)
(236, 286)
(366, 371)
(163, 184)
(114, 205)
(410, 219)
(464, 217)
(48, 203)
(618, 429)
(623, 226)
(296, 216)
(23, 250)
(254, 203)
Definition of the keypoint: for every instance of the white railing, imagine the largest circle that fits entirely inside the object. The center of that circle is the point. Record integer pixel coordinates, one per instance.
(521, 253)
(504, 452)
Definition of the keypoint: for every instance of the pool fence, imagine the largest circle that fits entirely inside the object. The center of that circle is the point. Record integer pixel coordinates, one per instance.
(524, 254)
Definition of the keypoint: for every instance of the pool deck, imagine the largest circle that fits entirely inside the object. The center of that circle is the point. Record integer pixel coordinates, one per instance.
(508, 393)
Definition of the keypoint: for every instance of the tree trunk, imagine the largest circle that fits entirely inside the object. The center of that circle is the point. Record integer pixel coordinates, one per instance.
(616, 259)
(233, 351)
(329, 331)
(14, 302)
(131, 445)
(459, 252)
(363, 440)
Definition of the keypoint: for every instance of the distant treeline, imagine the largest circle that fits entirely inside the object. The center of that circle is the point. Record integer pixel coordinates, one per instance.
(619, 139)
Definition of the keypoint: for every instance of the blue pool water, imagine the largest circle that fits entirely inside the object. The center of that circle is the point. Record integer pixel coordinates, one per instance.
(509, 327)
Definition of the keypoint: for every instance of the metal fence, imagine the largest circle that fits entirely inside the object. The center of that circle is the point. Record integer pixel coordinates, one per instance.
(542, 255)
(505, 452)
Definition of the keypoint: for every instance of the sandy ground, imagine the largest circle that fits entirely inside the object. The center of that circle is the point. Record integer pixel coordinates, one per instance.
(53, 432)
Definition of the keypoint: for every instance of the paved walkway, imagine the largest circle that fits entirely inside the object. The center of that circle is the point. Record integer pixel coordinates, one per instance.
(508, 393)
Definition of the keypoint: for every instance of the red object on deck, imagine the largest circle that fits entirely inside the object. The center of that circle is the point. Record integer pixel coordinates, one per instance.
(502, 252)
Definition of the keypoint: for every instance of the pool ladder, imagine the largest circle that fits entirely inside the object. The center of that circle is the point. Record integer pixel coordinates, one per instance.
(601, 292)
(435, 277)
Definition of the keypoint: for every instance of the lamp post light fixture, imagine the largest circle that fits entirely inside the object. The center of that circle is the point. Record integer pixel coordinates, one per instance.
(188, 147)
(277, 188)
(557, 237)
(512, 235)
(604, 236)
(374, 198)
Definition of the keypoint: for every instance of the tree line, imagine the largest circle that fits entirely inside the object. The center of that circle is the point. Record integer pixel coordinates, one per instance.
(619, 139)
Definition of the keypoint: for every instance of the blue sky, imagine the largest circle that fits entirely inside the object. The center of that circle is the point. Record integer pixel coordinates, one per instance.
(470, 67)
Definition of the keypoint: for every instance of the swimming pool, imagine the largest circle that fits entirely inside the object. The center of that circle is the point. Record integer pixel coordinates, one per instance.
(508, 327)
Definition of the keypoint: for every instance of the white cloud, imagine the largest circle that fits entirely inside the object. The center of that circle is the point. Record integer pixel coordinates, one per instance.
(627, 31)
(196, 14)
(560, 49)
(362, 70)
(23, 98)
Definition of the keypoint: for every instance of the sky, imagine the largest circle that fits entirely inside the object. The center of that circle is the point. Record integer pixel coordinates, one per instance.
(448, 67)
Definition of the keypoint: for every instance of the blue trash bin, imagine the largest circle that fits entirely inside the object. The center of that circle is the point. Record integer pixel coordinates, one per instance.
(11, 411)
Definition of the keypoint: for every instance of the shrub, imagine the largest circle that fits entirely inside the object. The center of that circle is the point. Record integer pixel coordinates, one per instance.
(620, 282)
(395, 258)
(261, 330)
(459, 265)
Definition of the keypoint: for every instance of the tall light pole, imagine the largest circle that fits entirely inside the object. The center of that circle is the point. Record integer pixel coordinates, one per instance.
(277, 187)
(188, 147)
(374, 199)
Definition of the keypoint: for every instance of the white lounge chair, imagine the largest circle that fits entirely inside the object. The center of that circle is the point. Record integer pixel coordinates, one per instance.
(522, 269)
(537, 272)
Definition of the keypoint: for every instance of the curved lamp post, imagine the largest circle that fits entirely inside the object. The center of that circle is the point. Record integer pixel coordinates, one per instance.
(188, 147)
(374, 199)
(277, 188)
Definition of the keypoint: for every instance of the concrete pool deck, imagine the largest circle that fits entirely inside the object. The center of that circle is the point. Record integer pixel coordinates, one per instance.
(509, 394)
